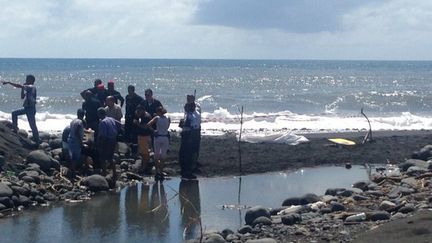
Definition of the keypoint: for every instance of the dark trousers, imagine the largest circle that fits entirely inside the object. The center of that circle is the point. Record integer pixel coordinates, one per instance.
(130, 134)
(189, 150)
(30, 112)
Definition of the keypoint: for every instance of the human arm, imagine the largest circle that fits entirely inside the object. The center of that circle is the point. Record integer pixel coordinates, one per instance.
(152, 121)
(20, 86)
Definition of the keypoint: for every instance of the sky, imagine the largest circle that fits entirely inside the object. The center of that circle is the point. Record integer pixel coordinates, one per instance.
(217, 29)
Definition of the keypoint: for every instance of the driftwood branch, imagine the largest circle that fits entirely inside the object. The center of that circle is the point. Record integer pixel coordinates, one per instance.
(368, 137)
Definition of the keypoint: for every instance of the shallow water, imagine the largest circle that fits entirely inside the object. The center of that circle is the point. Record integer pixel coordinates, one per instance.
(171, 211)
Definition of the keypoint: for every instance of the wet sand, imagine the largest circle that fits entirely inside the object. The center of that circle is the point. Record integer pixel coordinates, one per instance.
(219, 156)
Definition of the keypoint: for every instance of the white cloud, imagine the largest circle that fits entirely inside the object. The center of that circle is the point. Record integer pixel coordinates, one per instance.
(397, 29)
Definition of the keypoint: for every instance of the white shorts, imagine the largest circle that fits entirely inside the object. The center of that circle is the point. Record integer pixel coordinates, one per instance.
(161, 145)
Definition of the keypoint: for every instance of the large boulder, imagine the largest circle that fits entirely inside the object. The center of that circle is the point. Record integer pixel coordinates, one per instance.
(305, 199)
(96, 183)
(424, 154)
(255, 212)
(5, 190)
(413, 162)
(42, 159)
(55, 143)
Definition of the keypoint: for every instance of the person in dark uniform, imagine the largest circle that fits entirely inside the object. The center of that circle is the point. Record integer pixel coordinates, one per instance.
(132, 101)
(90, 106)
(114, 93)
(190, 139)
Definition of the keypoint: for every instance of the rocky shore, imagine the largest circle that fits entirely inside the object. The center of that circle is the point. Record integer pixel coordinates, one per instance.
(33, 176)
(399, 194)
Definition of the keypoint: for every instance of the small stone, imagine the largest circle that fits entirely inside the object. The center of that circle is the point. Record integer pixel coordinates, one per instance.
(49, 196)
(245, 229)
(360, 197)
(263, 240)
(213, 238)
(386, 205)
(362, 185)
(262, 220)
(335, 206)
(406, 209)
(291, 219)
(380, 215)
(334, 191)
(226, 232)
(124, 165)
(96, 183)
(356, 218)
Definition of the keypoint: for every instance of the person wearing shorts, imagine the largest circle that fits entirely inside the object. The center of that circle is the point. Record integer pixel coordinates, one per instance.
(161, 140)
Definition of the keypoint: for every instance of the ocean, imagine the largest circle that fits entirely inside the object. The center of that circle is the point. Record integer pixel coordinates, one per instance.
(276, 95)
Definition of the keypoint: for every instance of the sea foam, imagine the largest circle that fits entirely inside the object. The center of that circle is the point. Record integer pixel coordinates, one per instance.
(221, 121)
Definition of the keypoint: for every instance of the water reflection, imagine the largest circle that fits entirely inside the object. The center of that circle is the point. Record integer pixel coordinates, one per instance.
(146, 209)
(170, 211)
(190, 207)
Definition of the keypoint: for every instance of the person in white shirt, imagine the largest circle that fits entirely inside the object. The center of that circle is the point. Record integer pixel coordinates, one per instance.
(161, 140)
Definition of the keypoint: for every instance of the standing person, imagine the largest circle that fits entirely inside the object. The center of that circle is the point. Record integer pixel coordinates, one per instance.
(101, 94)
(132, 101)
(150, 104)
(112, 92)
(161, 140)
(189, 146)
(144, 137)
(112, 109)
(28, 94)
(190, 99)
(75, 139)
(107, 140)
(93, 90)
(91, 106)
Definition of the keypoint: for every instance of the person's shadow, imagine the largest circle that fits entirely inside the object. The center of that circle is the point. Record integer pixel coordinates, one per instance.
(190, 208)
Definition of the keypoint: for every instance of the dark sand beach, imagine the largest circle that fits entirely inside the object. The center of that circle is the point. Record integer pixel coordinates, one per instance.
(219, 155)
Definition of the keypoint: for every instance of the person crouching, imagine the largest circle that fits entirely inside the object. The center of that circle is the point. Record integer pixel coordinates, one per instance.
(107, 140)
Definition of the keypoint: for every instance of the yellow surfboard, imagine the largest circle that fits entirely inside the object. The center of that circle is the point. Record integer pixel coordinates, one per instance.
(342, 141)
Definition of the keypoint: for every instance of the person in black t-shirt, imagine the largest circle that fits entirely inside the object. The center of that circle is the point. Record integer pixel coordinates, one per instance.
(114, 93)
(90, 106)
(150, 104)
(132, 101)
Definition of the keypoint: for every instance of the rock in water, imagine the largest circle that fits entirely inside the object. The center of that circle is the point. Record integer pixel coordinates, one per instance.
(213, 238)
(305, 199)
(5, 190)
(255, 212)
(45, 161)
(96, 183)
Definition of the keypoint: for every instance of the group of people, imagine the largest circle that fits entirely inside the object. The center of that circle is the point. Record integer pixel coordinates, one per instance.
(145, 128)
